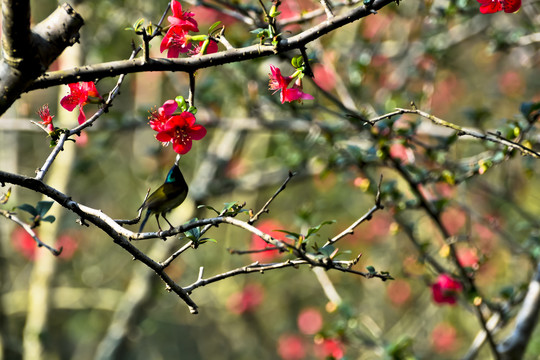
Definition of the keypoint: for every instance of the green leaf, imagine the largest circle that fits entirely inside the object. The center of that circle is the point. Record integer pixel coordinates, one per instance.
(207, 207)
(192, 109)
(371, 269)
(327, 250)
(137, 26)
(195, 233)
(294, 236)
(43, 206)
(49, 219)
(204, 240)
(315, 229)
(29, 209)
(214, 25)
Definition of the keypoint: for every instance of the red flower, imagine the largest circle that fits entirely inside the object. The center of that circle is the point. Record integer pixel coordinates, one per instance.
(45, 115)
(493, 6)
(269, 227)
(183, 19)
(310, 321)
(80, 94)
(246, 300)
(279, 82)
(446, 289)
(180, 130)
(24, 243)
(291, 347)
(330, 348)
(176, 41)
(159, 118)
(211, 48)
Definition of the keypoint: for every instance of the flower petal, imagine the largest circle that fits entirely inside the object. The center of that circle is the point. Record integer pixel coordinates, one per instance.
(197, 132)
(182, 148)
(82, 117)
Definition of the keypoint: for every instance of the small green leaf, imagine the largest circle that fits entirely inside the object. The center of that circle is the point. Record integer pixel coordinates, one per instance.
(43, 206)
(204, 240)
(371, 269)
(192, 109)
(49, 219)
(29, 209)
(214, 25)
(315, 229)
(208, 207)
(294, 236)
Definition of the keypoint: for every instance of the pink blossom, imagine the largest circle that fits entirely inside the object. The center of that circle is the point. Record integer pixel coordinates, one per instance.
(446, 290)
(45, 115)
(81, 93)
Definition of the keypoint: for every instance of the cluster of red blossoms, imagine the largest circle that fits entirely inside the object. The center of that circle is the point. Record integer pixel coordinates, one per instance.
(177, 40)
(80, 94)
(493, 6)
(176, 127)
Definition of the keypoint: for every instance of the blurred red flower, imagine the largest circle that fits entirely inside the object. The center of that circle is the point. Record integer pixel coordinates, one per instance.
(310, 321)
(444, 338)
(267, 227)
(330, 348)
(399, 292)
(291, 347)
(446, 290)
(246, 300)
(24, 243)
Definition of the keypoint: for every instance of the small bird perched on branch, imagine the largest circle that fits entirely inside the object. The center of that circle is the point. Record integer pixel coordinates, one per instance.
(168, 196)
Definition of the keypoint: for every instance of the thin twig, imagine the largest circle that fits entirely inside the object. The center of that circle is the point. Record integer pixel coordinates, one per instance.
(264, 209)
(11, 216)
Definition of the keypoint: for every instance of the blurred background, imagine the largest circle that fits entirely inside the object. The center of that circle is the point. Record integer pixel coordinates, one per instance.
(94, 302)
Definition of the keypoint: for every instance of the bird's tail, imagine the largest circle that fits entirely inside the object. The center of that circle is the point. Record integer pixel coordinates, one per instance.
(144, 220)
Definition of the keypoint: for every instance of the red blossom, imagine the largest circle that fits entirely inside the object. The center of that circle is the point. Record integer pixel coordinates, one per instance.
(81, 93)
(279, 82)
(246, 300)
(493, 6)
(184, 19)
(444, 338)
(310, 321)
(291, 347)
(211, 48)
(180, 130)
(269, 227)
(45, 115)
(159, 118)
(176, 41)
(446, 290)
(330, 348)
(24, 243)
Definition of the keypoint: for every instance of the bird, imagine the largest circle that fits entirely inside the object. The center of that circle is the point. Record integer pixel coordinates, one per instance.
(168, 196)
